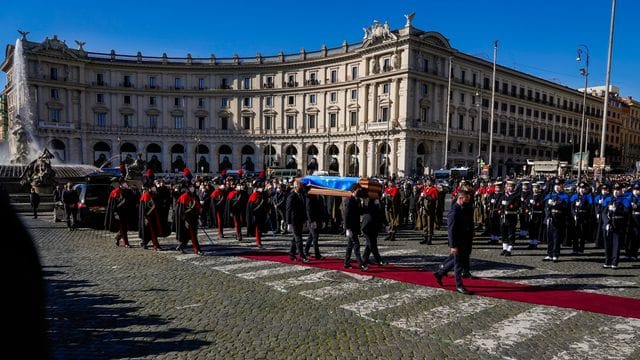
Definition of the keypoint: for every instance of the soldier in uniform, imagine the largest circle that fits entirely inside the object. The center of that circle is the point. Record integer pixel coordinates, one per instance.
(509, 205)
(598, 209)
(581, 216)
(187, 214)
(478, 205)
(427, 204)
(148, 220)
(556, 211)
(525, 195)
(493, 211)
(440, 205)
(615, 213)
(234, 204)
(633, 237)
(257, 212)
(460, 234)
(535, 210)
(392, 202)
(218, 203)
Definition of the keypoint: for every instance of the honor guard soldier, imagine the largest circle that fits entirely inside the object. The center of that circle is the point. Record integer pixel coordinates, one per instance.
(218, 203)
(236, 210)
(478, 205)
(509, 206)
(427, 209)
(598, 208)
(525, 195)
(493, 212)
(633, 239)
(391, 198)
(148, 220)
(187, 215)
(581, 216)
(615, 213)
(535, 209)
(556, 211)
(257, 208)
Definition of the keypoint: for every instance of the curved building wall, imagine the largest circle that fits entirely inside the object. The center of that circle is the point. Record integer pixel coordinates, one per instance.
(373, 108)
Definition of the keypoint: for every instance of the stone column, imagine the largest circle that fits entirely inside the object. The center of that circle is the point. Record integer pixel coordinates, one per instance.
(372, 158)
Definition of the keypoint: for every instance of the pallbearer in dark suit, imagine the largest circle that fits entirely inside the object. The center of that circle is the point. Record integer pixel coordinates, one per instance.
(296, 216)
(373, 220)
(316, 214)
(352, 212)
(460, 224)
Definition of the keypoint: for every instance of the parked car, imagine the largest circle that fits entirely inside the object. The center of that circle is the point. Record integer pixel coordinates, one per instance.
(93, 198)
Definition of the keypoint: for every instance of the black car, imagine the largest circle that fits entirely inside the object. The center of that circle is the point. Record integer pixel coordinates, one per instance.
(92, 206)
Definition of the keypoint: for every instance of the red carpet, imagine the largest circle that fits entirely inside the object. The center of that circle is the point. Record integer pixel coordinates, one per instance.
(572, 299)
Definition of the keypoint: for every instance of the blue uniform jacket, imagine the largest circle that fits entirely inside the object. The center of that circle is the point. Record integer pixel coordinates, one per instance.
(460, 226)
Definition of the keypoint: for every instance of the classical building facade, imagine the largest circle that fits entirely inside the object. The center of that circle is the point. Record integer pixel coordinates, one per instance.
(372, 108)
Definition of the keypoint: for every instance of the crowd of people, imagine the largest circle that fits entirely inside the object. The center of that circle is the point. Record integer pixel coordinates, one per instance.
(605, 214)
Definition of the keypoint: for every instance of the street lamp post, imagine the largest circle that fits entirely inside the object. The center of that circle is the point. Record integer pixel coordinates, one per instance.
(478, 103)
(607, 85)
(195, 163)
(448, 114)
(584, 72)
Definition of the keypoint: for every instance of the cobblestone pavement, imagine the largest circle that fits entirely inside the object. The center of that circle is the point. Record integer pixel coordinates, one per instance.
(107, 302)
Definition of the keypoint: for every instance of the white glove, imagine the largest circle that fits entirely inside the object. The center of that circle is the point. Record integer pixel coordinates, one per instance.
(608, 227)
(289, 228)
(313, 225)
(349, 233)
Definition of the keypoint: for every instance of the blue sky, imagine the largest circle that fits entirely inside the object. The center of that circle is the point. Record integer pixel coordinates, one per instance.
(537, 37)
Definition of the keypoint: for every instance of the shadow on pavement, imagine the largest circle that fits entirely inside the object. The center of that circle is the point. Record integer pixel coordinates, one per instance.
(87, 324)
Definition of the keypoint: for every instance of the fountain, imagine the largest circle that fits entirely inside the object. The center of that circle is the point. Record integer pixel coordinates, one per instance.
(22, 144)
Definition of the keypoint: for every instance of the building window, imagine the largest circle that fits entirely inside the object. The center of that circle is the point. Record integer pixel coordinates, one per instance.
(385, 114)
(459, 146)
(224, 123)
(153, 101)
(520, 130)
(54, 115)
(333, 97)
(474, 79)
(470, 148)
(200, 102)
(100, 79)
(178, 83)
(472, 122)
(353, 118)
(224, 102)
(385, 88)
(425, 89)
(354, 94)
(201, 84)
(127, 121)
(54, 73)
(177, 102)
(153, 121)
(354, 73)
(55, 94)
(269, 83)
(485, 125)
(291, 122)
(100, 98)
(246, 102)
(463, 76)
(334, 76)
(512, 129)
(101, 119)
(224, 84)
(460, 121)
(312, 99)
(267, 122)
(127, 81)
(152, 82)
(462, 98)
(291, 100)
(268, 101)
(178, 121)
(246, 122)
(201, 123)
(246, 83)
(127, 100)
(423, 114)
(386, 64)
(311, 121)
(333, 120)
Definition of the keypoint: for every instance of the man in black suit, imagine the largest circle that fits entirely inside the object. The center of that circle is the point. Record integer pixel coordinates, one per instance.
(315, 216)
(460, 224)
(352, 211)
(296, 216)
